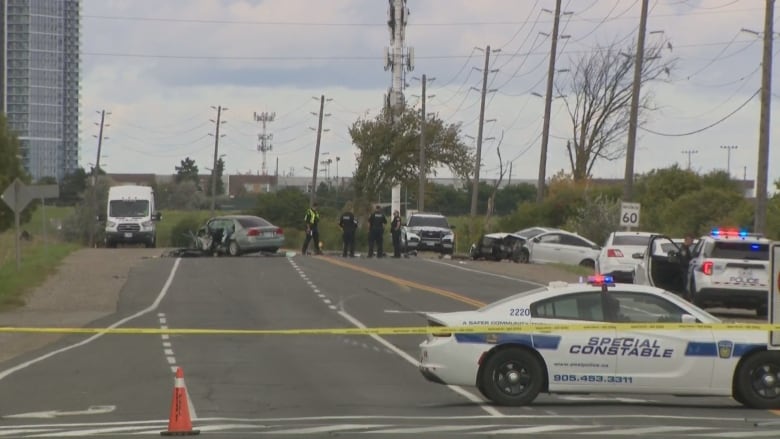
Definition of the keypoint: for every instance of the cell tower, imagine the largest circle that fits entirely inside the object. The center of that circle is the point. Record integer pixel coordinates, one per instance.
(265, 139)
(399, 58)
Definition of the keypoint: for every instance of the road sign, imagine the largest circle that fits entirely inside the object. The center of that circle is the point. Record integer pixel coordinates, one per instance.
(629, 214)
(17, 196)
(774, 293)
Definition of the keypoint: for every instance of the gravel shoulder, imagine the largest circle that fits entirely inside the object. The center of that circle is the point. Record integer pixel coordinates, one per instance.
(85, 287)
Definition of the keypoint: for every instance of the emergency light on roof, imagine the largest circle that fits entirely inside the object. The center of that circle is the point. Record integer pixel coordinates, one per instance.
(729, 233)
(600, 280)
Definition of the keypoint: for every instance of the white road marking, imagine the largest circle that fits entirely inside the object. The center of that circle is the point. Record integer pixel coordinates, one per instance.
(48, 414)
(749, 433)
(171, 360)
(163, 327)
(321, 296)
(316, 290)
(538, 429)
(457, 389)
(82, 433)
(328, 428)
(147, 310)
(174, 369)
(327, 301)
(486, 273)
(163, 320)
(166, 344)
(333, 307)
(160, 314)
(165, 336)
(18, 431)
(432, 429)
(168, 351)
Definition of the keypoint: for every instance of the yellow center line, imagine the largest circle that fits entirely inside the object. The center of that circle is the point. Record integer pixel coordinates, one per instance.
(405, 282)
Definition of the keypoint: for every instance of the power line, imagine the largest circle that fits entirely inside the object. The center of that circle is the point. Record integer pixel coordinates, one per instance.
(706, 127)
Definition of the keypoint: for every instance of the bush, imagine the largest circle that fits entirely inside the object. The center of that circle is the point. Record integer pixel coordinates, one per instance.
(180, 232)
(596, 219)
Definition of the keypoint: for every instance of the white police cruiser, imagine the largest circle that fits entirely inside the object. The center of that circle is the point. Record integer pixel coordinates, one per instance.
(512, 368)
(730, 268)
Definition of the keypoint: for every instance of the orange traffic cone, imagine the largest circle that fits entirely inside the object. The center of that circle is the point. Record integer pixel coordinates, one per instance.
(179, 423)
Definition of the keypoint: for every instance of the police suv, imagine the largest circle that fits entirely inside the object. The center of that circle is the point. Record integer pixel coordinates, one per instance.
(599, 337)
(730, 268)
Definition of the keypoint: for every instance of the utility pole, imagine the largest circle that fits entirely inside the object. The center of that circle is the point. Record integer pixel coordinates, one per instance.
(728, 149)
(265, 139)
(548, 105)
(216, 159)
(690, 152)
(95, 177)
(628, 188)
(763, 135)
(317, 153)
(475, 188)
(423, 116)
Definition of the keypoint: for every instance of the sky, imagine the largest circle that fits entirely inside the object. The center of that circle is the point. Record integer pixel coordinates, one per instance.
(159, 66)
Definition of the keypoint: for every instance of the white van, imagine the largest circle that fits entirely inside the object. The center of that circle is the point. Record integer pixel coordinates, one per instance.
(131, 216)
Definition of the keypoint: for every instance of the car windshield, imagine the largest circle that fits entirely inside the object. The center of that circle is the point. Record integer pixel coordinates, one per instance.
(529, 233)
(128, 208)
(428, 221)
(741, 250)
(249, 222)
(637, 240)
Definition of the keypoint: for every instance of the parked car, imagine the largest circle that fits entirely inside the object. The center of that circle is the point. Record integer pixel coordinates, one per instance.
(235, 235)
(428, 231)
(559, 246)
(616, 257)
(499, 246)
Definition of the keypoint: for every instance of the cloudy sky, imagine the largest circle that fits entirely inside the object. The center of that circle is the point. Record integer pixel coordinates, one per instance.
(160, 65)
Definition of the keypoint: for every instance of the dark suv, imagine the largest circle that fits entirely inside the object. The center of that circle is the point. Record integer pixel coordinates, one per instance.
(428, 231)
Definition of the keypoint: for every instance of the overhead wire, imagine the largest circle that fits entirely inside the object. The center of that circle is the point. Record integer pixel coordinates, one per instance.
(705, 128)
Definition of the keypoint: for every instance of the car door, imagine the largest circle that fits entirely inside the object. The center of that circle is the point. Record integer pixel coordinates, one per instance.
(576, 360)
(662, 270)
(546, 248)
(575, 250)
(669, 360)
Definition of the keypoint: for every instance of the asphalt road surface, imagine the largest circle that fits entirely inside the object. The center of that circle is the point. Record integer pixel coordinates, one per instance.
(315, 385)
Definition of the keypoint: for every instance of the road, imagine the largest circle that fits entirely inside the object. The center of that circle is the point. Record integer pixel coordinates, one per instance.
(249, 385)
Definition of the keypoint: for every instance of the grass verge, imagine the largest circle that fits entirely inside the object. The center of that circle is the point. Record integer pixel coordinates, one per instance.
(575, 269)
(38, 261)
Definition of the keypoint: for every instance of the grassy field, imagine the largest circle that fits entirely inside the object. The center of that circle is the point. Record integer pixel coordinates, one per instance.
(38, 258)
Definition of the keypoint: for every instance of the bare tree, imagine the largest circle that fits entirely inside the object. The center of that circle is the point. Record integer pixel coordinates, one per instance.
(598, 99)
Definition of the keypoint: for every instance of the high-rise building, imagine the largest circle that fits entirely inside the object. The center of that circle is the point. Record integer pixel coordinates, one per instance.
(40, 82)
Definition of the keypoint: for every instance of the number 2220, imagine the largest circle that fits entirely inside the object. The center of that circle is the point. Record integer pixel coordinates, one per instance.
(519, 312)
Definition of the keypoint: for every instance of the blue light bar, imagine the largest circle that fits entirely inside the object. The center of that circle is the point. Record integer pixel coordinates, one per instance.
(601, 280)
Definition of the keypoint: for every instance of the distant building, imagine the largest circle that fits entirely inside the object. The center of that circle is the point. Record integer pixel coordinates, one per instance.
(40, 82)
(134, 179)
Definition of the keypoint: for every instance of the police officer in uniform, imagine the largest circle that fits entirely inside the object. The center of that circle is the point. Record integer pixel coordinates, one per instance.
(376, 228)
(312, 220)
(348, 225)
(395, 231)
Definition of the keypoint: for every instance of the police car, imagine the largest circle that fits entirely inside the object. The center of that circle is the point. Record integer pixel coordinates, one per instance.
(512, 368)
(730, 268)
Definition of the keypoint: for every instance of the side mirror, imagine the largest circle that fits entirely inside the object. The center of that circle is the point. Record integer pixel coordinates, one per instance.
(638, 256)
(101, 217)
(687, 318)
(157, 216)
(537, 239)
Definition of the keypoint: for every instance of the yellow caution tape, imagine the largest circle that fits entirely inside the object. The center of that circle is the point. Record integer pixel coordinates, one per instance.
(411, 330)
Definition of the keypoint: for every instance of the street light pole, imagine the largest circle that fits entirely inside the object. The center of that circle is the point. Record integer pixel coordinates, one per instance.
(728, 149)
(216, 158)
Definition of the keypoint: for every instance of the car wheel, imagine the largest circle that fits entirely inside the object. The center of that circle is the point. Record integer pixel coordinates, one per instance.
(587, 263)
(151, 244)
(233, 249)
(524, 256)
(758, 381)
(512, 377)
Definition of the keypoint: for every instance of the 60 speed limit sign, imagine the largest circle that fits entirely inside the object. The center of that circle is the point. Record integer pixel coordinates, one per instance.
(629, 214)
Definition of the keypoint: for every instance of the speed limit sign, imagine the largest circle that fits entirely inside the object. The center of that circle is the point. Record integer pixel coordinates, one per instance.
(629, 214)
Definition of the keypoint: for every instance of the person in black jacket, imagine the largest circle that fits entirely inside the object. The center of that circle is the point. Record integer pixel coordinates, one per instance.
(395, 232)
(376, 228)
(348, 225)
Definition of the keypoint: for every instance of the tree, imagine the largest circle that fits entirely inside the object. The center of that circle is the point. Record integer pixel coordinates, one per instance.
(598, 98)
(10, 169)
(187, 171)
(184, 196)
(284, 208)
(73, 186)
(388, 152)
(659, 188)
(220, 184)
